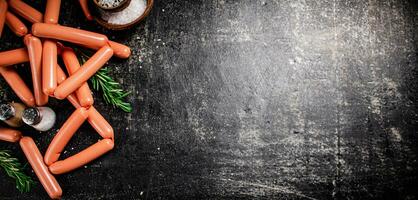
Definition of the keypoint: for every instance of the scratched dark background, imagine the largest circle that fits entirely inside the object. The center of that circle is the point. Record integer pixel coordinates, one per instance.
(245, 99)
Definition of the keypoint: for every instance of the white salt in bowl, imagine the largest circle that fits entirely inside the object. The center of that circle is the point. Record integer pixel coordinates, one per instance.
(97, 14)
(112, 7)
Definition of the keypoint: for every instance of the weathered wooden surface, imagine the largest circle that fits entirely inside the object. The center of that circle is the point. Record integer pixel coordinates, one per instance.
(254, 99)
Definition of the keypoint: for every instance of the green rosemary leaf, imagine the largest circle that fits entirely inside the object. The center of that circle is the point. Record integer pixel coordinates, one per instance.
(102, 81)
(15, 170)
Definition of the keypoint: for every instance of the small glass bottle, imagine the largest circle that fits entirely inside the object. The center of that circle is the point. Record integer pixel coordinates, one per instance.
(11, 114)
(40, 118)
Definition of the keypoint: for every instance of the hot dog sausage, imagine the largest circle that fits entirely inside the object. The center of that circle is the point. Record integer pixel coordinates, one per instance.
(87, 155)
(84, 73)
(49, 67)
(96, 120)
(10, 135)
(17, 26)
(85, 7)
(26, 11)
(13, 57)
(100, 124)
(34, 47)
(41, 170)
(69, 34)
(60, 46)
(18, 85)
(61, 76)
(84, 96)
(64, 135)
(3, 11)
(52, 11)
(120, 50)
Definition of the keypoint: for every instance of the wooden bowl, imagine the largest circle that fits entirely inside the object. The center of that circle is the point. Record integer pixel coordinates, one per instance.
(117, 27)
(118, 8)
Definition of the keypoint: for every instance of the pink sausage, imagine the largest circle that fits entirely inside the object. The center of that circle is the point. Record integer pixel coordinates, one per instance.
(17, 26)
(120, 50)
(3, 12)
(84, 73)
(49, 67)
(69, 34)
(13, 57)
(10, 135)
(100, 124)
(41, 170)
(18, 85)
(83, 93)
(85, 7)
(64, 135)
(26, 11)
(52, 11)
(87, 155)
(34, 47)
(96, 120)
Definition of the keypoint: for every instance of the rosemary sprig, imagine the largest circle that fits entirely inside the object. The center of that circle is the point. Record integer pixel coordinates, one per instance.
(112, 90)
(14, 169)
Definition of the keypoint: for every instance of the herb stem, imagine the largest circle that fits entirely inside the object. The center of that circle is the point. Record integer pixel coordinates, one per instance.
(15, 170)
(112, 91)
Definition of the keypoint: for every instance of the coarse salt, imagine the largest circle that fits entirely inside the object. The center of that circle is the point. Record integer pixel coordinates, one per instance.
(109, 3)
(132, 12)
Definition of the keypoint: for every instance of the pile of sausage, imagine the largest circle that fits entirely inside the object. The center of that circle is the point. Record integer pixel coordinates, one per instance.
(49, 80)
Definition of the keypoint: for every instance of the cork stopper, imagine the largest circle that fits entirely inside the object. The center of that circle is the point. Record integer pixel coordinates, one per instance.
(31, 116)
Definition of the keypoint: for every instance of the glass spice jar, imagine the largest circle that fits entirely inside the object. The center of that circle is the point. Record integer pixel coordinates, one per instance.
(40, 118)
(11, 113)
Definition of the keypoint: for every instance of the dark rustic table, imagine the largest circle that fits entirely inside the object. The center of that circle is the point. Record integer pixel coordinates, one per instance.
(245, 99)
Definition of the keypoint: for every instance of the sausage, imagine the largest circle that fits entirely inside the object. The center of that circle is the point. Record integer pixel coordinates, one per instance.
(17, 26)
(60, 46)
(120, 50)
(34, 157)
(64, 135)
(72, 98)
(84, 73)
(96, 120)
(69, 34)
(84, 96)
(13, 57)
(3, 12)
(61, 76)
(26, 11)
(10, 135)
(49, 67)
(87, 155)
(52, 11)
(18, 85)
(85, 7)
(34, 47)
(99, 123)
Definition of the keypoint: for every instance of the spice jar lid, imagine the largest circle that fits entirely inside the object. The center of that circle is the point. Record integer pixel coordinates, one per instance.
(6, 111)
(31, 116)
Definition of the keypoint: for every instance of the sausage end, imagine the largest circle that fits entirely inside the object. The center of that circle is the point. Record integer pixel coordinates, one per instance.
(35, 28)
(50, 21)
(86, 102)
(59, 94)
(49, 91)
(30, 102)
